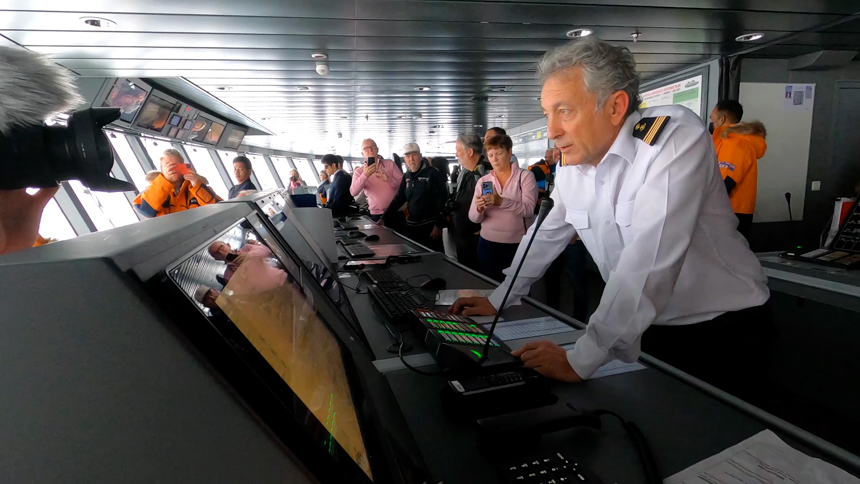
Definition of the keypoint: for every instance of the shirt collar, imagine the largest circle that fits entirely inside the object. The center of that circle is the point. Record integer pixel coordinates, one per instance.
(624, 145)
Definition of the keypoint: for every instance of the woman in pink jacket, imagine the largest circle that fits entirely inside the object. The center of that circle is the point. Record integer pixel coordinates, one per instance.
(506, 213)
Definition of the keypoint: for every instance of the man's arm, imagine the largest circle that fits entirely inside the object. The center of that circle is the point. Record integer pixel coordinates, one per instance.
(736, 158)
(550, 241)
(358, 181)
(204, 194)
(149, 202)
(398, 200)
(665, 213)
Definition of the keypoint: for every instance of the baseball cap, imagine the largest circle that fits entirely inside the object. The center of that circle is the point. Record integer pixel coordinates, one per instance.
(411, 148)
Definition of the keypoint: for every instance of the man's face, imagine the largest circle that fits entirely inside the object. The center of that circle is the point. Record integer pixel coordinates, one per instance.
(548, 156)
(330, 169)
(369, 148)
(169, 166)
(413, 161)
(489, 135)
(556, 155)
(220, 251)
(323, 176)
(241, 172)
(500, 158)
(580, 132)
(718, 118)
(463, 154)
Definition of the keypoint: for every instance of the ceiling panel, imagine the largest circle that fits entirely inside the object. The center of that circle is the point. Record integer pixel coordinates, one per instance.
(380, 50)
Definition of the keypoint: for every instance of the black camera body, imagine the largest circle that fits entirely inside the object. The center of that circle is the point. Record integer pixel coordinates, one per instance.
(43, 156)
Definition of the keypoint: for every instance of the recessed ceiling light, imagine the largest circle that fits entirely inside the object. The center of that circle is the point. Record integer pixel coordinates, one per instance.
(536, 98)
(477, 125)
(303, 88)
(502, 116)
(224, 88)
(319, 56)
(749, 37)
(577, 33)
(98, 23)
(422, 88)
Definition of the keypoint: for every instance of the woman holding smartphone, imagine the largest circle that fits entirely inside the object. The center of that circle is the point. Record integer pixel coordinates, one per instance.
(504, 206)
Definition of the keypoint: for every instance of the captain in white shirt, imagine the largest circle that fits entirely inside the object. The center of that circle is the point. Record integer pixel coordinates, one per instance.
(643, 191)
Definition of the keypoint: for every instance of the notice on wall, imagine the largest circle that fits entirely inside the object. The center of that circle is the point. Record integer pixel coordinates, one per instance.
(687, 93)
(798, 97)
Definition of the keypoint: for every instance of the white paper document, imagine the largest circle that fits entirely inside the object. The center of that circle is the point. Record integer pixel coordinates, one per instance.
(762, 459)
(614, 367)
(530, 328)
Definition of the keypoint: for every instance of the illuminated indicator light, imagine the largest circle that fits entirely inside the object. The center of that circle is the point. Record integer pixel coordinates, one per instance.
(479, 355)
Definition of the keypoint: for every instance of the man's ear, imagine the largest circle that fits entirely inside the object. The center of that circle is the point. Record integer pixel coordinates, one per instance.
(619, 102)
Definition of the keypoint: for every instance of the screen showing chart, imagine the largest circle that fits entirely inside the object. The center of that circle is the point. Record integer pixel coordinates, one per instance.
(687, 93)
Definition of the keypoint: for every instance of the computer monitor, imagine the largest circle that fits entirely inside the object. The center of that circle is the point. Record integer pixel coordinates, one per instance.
(278, 211)
(128, 96)
(264, 311)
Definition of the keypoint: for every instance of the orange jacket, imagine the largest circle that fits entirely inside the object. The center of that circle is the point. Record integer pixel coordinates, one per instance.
(739, 147)
(161, 198)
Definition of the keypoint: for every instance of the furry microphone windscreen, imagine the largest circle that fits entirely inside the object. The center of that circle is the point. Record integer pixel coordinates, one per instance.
(32, 89)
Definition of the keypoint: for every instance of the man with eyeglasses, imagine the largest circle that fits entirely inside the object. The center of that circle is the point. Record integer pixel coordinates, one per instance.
(378, 177)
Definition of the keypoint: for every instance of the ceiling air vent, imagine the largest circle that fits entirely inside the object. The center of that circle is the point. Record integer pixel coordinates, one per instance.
(498, 89)
(482, 98)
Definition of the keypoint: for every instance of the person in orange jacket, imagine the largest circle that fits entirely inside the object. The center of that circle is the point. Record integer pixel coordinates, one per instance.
(739, 147)
(172, 191)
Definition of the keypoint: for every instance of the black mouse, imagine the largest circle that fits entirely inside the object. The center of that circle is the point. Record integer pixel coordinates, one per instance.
(371, 238)
(355, 234)
(434, 284)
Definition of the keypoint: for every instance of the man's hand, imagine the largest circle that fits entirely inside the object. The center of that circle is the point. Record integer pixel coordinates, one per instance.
(436, 233)
(196, 180)
(480, 204)
(369, 170)
(548, 359)
(472, 306)
(382, 175)
(381, 222)
(20, 215)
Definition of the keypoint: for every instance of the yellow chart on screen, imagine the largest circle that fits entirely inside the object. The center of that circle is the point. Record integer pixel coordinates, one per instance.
(287, 332)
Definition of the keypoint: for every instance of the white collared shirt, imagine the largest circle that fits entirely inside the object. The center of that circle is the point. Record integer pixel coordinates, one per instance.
(658, 223)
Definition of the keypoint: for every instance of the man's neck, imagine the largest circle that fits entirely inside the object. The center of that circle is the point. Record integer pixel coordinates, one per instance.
(178, 185)
(471, 163)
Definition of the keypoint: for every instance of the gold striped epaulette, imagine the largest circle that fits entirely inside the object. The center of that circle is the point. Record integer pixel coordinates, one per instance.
(649, 129)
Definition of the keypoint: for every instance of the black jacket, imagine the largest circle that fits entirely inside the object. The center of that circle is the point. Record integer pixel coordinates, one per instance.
(425, 193)
(339, 199)
(462, 198)
(246, 185)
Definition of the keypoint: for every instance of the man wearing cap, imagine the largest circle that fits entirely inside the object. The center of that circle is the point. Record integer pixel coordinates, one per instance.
(424, 190)
(339, 199)
(379, 178)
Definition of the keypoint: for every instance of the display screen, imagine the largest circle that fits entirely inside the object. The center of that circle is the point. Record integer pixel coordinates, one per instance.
(188, 124)
(278, 323)
(234, 139)
(153, 116)
(214, 133)
(175, 120)
(199, 129)
(128, 97)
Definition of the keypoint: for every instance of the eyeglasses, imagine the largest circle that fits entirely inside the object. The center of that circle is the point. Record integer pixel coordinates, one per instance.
(369, 148)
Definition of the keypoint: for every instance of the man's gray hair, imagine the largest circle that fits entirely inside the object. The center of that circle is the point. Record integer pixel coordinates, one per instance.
(606, 69)
(172, 152)
(471, 140)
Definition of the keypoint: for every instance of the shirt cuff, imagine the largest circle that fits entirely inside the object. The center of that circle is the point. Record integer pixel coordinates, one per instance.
(586, 357)
(497, 296)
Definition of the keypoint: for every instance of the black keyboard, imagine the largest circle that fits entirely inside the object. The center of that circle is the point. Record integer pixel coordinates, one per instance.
(387, 280)
(397, 305)
(552, 468)
(358, 251)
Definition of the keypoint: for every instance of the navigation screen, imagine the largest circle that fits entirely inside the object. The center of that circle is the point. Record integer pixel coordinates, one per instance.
(128, 97)
(214, 133)
(238, 279)
(234, 139)
(154, 114)
(199, 129)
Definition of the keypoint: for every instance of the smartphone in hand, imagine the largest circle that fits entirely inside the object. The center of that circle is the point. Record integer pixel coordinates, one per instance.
(486, 188)
(184, 169)
(371, 160)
